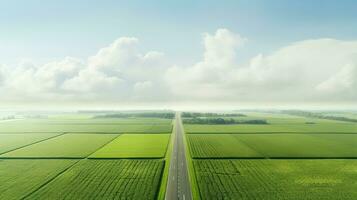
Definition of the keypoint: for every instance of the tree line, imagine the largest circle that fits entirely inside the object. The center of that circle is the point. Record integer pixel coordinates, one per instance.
(219, 120)
(166, 115)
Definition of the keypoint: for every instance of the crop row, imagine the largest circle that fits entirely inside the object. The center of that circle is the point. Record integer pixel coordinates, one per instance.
(272, 145)
(276, 179)
(105, 179)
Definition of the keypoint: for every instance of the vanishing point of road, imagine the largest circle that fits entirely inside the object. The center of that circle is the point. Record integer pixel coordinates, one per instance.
(178, 185)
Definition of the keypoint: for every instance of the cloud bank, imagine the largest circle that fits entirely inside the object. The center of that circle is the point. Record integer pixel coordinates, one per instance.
(319, 70)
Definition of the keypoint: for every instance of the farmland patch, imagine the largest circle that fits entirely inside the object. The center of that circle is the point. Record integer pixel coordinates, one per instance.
(19, 178)
(10, 142)
(135, 146)
(277, 179)
(218, 146)
(106, 179)
(64, 146)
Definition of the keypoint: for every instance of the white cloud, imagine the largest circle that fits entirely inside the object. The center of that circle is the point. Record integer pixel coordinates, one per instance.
(310, 70)
(302, 71)
(114, 73)
(343, 83)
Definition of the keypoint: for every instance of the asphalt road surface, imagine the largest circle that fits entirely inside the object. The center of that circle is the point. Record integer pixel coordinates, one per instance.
(178, 185)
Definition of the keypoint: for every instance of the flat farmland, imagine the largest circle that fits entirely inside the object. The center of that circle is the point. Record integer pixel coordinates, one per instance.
(135, 146)
(106, 179)
(277, 179)
(218, 146)
(63, 146)
(302, 145)
(332, 127)
(10, 142)
(149, 125)
(277, 123)
(47, 158)
(19, 177)
(272, 145)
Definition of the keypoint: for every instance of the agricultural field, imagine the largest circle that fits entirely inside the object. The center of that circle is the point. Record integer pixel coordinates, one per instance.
(135, 146)
(218, 146)
(20, 177)
(276, 179)
(10, 142)
(272, 145)
(85, 124)
(106, 179)
(289, 157)
(63, 146)
(277, 123)
(80, 156)
(81, 127)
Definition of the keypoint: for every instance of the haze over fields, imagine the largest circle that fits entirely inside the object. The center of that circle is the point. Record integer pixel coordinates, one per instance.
(178, 53)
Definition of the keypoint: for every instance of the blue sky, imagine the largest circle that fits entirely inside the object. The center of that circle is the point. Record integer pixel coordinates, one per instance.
(256, 51)
(44, 30)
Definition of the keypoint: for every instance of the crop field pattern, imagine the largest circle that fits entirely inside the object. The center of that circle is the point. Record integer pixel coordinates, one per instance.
(64, 146)
(20, 177)
(216, 146)
(135, 146)
(87, 125)
(106, 179)
(277, 179)
(76, 156)
(289, 158)
(10, 142)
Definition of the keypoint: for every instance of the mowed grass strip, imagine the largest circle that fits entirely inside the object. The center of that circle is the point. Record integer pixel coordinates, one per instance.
(64, 146)
(9, 142)
(218, 146)
(277, 179)
(302, 145)
(19, 178)
(106, 179)
(135, 146)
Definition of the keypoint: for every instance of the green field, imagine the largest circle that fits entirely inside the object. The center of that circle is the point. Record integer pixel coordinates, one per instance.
(333, 127)
(277, 179)
(217, 146)
(135, 146)
(85, 128)
(19, 177)
(290, 157)
(13, 141)
(272, 145)
(106, 179)
(302, 145)
(64, 146)
(46, 158)
(146, 125)
(81, 157)
(277, 123)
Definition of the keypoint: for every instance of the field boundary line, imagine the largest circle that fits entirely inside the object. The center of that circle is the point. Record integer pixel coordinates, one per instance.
(57, 135)
(41, 158)
(104, 145)
(50, 180)
(127, 158)
(256, 133)
(88, 132)
(250, 146)
(275, 158)
(158, 188)
(139, 158)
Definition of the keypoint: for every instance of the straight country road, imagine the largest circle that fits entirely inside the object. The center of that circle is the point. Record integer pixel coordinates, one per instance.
(178, 185)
